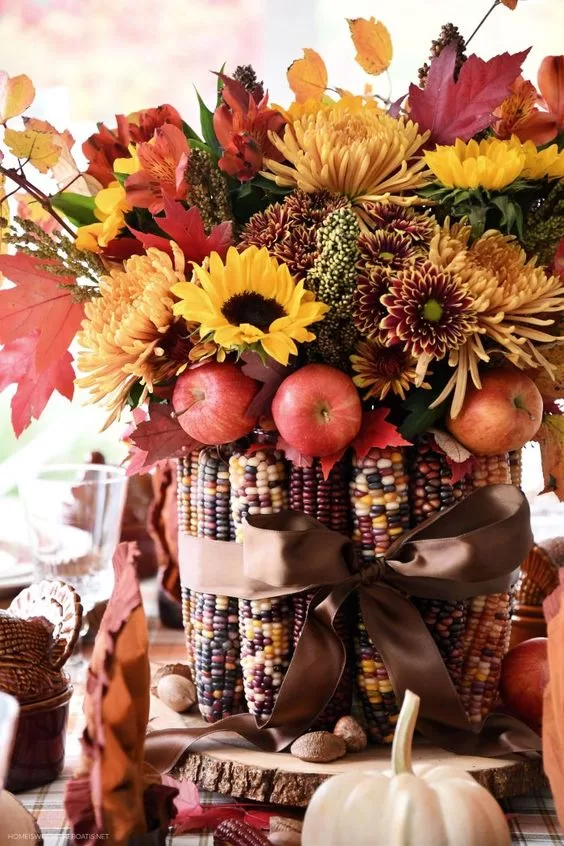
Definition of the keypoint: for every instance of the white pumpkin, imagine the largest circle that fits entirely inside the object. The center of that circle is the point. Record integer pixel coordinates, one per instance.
(440, 806)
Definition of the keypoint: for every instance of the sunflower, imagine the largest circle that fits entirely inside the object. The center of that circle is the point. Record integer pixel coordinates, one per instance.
(383, 369)
(430, 311)
(249, 301)
(490, 164)
(541, 164)
(130, 334)
(362, 153)
(513, 300)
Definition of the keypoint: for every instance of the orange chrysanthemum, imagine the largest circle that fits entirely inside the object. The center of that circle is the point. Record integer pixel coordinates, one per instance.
(381, 369)
(130, 334)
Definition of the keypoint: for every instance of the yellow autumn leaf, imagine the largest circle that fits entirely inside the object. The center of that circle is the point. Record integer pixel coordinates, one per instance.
(4, 221)
(373, 44)
(550, 436)
(33, 146)
(551, 388)
(307, 77)
(511, 4)
(16, 95)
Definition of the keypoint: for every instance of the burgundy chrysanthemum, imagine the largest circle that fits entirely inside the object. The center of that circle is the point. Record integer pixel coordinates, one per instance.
(367, 309)
(430, 310)
(384, 249)
(288, 230)
(420, 226)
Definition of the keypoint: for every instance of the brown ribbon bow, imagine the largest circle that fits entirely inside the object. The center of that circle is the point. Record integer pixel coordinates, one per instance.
(468, 550)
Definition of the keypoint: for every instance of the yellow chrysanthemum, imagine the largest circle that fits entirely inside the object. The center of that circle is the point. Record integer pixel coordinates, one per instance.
(130, 333)
(110, 205)
(249, 300)
(356, 151)
(383, 368)
(350, 103)
(513, 299)
(490, 164)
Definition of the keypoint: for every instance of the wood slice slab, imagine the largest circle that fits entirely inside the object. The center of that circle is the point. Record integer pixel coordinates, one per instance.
(228, 765)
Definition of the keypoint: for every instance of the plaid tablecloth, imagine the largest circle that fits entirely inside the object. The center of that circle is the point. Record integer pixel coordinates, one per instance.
(532, 818)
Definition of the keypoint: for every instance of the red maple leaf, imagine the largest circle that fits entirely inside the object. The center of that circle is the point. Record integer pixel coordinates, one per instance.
(156, 438)
(35, 387)
(185, 226)
(460, 109)
(38, 303)
(375, 431)
(293, 455)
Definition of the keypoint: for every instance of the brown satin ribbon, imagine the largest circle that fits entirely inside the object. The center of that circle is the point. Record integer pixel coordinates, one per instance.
(468, 550)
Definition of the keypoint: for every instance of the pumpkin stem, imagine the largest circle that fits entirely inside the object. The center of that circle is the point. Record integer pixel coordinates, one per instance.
(403, 737)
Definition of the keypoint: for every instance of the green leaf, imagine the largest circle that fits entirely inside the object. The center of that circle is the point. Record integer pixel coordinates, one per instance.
(269, 186)
(206, 121)
(195, 144)
(75, 207)
(421, 417)
(220, 85)
(190, 133)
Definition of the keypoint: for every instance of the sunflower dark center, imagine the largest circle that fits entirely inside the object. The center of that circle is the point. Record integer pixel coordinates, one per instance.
(433, 311)
(251, 307)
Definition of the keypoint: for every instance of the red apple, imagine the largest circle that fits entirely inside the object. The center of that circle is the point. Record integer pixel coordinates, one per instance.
(211, 402)
(317, 410)
(500, 417)
(524, 675)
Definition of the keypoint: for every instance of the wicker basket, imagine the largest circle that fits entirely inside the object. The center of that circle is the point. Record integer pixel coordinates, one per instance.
(239, 650)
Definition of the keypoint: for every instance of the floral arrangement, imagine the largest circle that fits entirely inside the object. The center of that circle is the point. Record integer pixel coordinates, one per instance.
(413, 250)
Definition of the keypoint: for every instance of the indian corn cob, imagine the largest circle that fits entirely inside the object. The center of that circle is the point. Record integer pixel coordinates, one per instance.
(431, 489)
(214, 621)
(380, 510)
(328, 501)
(187, 524)
(488, 618)
(515, 467)
(258, 486)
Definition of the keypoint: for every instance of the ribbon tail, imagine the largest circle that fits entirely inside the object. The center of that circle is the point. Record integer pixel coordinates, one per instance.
(309, 684)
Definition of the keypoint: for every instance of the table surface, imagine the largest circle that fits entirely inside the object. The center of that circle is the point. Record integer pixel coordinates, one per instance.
(532, 818)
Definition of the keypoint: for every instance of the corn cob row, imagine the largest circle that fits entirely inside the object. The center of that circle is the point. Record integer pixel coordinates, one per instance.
(258, 486)
(431, 489)
(485, 643)
(328, 501)
(187, 468)
(213, 628)
(380, 506)
(491, 470)
(488, 618)
(515, 467)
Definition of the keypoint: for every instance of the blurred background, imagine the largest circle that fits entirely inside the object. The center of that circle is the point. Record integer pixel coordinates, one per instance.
(92, 58)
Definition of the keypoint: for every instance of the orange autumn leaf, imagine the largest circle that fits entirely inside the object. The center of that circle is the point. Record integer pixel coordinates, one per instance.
(551, 386)
(36, 147)
(16, 95)
(373, 44)
(511, 4)
(307, 77)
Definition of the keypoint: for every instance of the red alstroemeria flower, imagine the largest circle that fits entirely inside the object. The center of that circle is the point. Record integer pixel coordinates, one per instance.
(241, 124)
(520, 115)
(162, 173)
(107, 145)
(559, 259)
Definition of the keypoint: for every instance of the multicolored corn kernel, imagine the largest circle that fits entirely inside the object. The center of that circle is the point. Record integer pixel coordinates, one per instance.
(186, 479)
(380, 505)
(259, 486)
(328, 501)
(491, 470)
(213, 626)
(516, 467)
(485, 643)
(430, 480)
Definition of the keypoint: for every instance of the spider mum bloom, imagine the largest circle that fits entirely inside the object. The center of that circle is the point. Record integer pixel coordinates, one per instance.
(430, 311)
(381, 369)
(130, 333)
(363, 154)
(490, 164)
(250, 300)
(513, 301)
